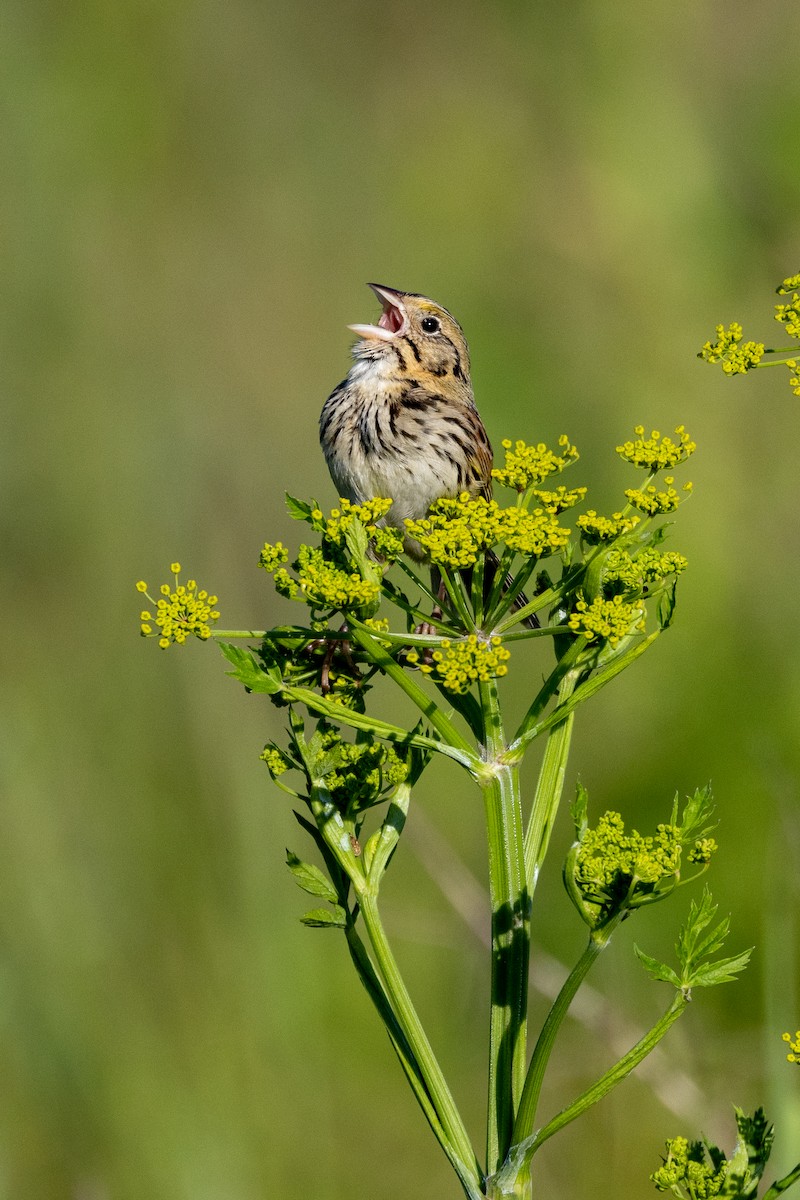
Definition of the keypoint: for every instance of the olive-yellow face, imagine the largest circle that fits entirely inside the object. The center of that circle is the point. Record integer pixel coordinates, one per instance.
(417, 334)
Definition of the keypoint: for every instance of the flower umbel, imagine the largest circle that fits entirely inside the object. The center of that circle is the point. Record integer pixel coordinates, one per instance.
(737, 357)
(526, 466)
(458, 665)
(182, 611)
(657, 452)
(610, 620)
(456, 532)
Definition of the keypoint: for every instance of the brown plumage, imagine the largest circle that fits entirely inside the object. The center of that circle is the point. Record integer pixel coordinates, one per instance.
(403, 424)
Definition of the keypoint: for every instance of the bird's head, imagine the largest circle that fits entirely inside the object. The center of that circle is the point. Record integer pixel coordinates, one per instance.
(416, 335)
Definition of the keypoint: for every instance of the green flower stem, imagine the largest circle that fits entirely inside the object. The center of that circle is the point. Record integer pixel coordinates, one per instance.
(550, 785)
(508, 598)
(382, 729)
(780, 1185)
(581, 693)
(379, 997)
(426, 705)
(530, 722)
(456, 590)
(435, 1084)
(517, 1167)
(526, 1114)
(256, 634)
(510, 932)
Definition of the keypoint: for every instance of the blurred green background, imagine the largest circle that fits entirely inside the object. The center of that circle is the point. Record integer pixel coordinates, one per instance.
(193, 195)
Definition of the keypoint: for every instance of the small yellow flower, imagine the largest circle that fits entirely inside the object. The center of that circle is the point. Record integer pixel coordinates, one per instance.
(175, 568)
(789, 315)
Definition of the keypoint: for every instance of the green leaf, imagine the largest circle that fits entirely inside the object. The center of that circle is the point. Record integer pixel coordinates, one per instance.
(249, 671)
(697, 813)
(667, 604)
(724, 970)
(579, 810)
(657, 970)
(310, 878)
(781, 1185)
(323, 918)
(299, 510)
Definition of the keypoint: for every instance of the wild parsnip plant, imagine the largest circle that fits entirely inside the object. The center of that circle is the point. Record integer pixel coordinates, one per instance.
(602, 588)
(737, 357)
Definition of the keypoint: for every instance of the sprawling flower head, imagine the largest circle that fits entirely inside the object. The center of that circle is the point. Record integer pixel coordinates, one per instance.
(457, 532)
(611, 620)
(387, 541)
(458, 665)
(595, 528)
(634, 572)
(182, 611)
(736, 356)
(657, 452)
(687, 1171)
(361, 774)
(653, 501)
(526, 466)
(789, 314)
(560, 499)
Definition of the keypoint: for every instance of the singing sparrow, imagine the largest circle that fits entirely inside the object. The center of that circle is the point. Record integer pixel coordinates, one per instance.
(403, 424)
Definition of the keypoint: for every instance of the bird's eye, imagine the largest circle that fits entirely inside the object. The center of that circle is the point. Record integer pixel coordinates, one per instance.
(430, 324)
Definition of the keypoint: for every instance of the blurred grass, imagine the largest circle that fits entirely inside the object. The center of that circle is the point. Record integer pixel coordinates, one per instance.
(192, 198)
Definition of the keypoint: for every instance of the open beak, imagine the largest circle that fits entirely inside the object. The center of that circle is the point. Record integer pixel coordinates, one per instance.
(392, 320)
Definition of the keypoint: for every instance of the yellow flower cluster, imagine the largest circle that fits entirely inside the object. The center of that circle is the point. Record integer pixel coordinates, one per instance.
(458, 665)
(527, 465)
(325, 585)
(362, 774)
(652, 501)
(608, 853)
(703, 851)
(182, 611)
(686, 1171)
(271, 556)
(456, 532)
(561, 499)
(648, 566)
(788, 285)
(610, 620)
(595, 529)
(736, 356)
(657, 453)
(794, 382)
(388, 542)
(276, 761)
(789, 315)
(794, 1047)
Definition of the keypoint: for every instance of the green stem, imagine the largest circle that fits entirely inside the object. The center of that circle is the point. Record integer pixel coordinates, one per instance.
(510, 932)
(526, 1115)
(528, 731)
(436, 1086)
(780, 1185)
(550, 786)
(425, 703)
(379, 997)
(517, 1167)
